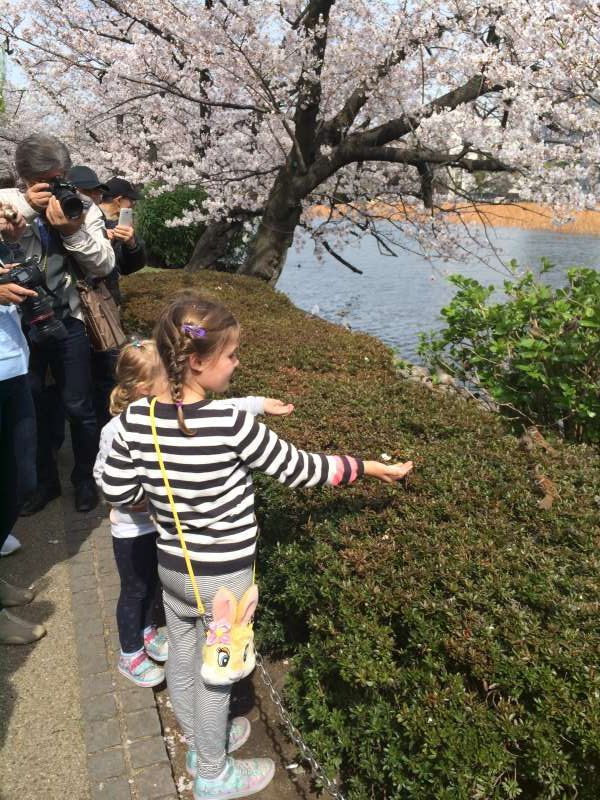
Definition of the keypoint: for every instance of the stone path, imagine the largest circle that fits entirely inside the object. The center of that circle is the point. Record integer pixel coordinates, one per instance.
(126, 753)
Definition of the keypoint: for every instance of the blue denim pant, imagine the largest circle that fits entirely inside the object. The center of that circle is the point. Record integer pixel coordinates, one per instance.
(70, 365)
(17, 450)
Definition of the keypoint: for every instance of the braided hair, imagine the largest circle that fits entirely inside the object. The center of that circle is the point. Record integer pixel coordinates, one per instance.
(190, 324)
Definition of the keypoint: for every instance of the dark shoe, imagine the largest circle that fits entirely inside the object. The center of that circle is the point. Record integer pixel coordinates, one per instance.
(86, 496)
(40, 499)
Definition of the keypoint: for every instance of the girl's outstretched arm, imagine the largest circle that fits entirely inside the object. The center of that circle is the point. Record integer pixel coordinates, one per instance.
(262, 405)
(260, 448)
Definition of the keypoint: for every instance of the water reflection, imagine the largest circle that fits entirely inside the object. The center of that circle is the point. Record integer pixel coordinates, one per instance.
(396, 298)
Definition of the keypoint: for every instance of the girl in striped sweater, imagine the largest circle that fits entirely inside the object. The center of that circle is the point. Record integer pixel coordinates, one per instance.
(139, 373)
(209, 450)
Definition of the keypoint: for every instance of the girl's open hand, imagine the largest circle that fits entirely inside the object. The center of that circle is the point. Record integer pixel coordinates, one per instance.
(277, 407)
(388, 473)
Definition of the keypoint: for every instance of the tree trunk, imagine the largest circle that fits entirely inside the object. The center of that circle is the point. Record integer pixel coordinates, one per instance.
(275, 233)
(212, 245)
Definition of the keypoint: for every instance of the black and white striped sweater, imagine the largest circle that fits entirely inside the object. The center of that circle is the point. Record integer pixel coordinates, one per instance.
(210, 478)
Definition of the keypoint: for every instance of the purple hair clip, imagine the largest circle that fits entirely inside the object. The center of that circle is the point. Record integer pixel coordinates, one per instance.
(195, 331)
(179, 403)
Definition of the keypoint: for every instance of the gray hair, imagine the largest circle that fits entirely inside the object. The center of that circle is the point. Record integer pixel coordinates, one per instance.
(38, 154)
(7, 176)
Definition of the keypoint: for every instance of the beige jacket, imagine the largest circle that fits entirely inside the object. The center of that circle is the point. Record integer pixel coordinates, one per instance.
(89, 246)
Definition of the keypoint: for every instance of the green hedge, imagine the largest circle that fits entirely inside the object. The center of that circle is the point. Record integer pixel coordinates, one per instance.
(444, 638)
(171, 247)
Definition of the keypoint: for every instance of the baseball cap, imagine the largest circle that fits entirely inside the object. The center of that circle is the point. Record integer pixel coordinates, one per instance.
(119, 187)
(85, 178)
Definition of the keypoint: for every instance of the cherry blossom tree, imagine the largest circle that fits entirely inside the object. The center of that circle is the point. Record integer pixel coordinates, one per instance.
(274, 106)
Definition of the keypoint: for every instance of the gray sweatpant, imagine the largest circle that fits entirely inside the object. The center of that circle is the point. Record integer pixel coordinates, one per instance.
(201, 710)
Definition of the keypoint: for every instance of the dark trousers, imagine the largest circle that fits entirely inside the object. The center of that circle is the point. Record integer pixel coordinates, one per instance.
(69, 362)
(138, 569)
(17, 450)
(103, 373)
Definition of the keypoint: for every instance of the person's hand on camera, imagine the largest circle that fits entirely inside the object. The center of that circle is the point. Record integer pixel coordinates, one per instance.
(38, 196)
(12, 229)
(123, 233)
(11, 292)
(388, 473)
(56, 218)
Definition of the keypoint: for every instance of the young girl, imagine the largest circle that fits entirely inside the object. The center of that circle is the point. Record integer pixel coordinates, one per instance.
(139, 373)
(209, 450)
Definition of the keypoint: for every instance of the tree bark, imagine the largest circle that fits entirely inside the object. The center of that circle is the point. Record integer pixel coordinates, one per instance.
(275, 233)
(212, 245)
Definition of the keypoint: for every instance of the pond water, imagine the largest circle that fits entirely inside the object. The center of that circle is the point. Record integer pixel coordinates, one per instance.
(397, 298)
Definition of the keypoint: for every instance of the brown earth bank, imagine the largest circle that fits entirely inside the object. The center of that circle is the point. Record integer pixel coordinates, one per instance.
(530, 216)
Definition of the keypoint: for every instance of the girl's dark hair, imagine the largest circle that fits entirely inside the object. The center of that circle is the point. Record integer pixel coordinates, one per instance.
(190, 324)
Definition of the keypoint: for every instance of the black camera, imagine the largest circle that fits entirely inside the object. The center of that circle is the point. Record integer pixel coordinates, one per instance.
(66, 194)
(37, 311)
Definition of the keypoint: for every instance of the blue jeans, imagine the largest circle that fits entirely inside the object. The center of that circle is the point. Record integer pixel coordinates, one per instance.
(17, 450)
(70, 364)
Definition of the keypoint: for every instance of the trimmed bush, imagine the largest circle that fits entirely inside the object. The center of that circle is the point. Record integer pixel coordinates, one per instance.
(171, 247)
(444, 637)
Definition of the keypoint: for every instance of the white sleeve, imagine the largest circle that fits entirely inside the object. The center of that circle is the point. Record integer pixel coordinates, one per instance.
(107, 434)
(90, 245)
(253, 405)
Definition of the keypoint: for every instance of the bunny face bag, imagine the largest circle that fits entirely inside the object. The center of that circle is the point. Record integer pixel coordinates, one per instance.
(228, 655)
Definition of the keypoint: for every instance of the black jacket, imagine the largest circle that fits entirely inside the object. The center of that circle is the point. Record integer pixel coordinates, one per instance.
(127, 260)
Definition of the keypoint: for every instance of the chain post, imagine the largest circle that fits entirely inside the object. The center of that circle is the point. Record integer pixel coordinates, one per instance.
(308, 755)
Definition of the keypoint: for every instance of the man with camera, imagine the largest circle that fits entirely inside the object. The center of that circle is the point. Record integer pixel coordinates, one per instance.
(17, 430)
(66, 233)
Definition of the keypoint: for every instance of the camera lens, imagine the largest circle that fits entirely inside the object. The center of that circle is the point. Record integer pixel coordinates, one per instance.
(71, 204)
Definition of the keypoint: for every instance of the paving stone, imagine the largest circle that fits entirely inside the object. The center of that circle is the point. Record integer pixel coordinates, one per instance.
(111, 591)
(92, 663)
(101, 734)
(101, 706)
(110, 579)
(100, 684)
(83, 570)
(136, 699)
(78, 524)
(106, 764)
(154, 782)
(81, 558)
(87, 598)
(88, 646)
(112, 789)
(93, 629)
(87, 614)
(148, 751)
(81, 584)
(141, 724)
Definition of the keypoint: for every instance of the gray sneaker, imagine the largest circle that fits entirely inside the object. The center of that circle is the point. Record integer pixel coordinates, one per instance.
(14, 630)
(13, 596)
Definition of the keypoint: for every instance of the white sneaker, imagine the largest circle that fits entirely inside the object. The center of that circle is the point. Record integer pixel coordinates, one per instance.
(11, 545)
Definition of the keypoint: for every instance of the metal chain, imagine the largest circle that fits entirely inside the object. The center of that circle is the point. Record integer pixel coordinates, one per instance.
(294, 734)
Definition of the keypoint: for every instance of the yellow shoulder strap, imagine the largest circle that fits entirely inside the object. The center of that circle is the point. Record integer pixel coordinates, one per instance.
(165, 478)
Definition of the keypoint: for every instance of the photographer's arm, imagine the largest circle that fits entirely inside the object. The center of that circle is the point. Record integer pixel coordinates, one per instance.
(90, 246)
